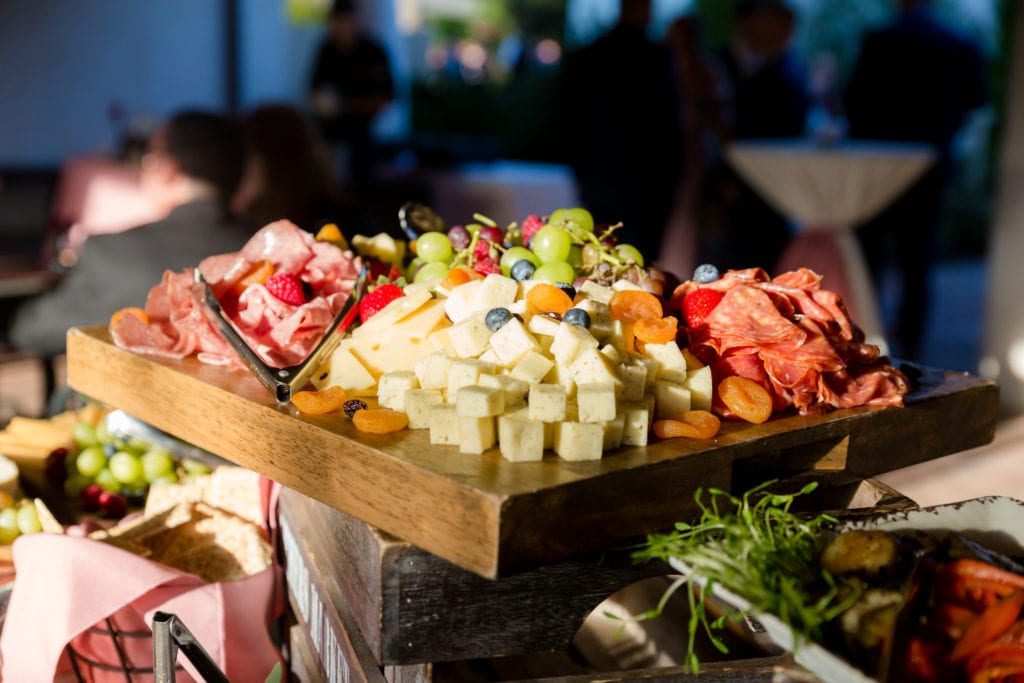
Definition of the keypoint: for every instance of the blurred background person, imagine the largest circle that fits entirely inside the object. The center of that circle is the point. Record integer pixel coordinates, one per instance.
(622, 129)
(764, 95)
(192, 167)
(916, 79)
(351, 84)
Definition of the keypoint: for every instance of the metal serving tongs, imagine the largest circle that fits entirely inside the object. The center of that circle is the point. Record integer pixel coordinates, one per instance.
(283, 382)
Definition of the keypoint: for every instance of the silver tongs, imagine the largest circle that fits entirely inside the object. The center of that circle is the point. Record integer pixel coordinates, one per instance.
(283, 382)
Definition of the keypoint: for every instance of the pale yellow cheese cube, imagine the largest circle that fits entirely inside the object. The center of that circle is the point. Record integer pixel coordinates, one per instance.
(634, 380)
(496, 291)
(701, 388)
(577, 441)
(614, 356)
(392, 386)
(532, 367)
(344, 370)
(597, 292)
(671, 363)
(547, 402)
(515, 390)
(511, 342)
(461, 301)
(476, 434)
(652, 371)
(670, 399)
(543, 325)
(432, 370)
(613, 431)
(624, 285)
(569, 341)
(441, 340)
(418, 404)
(601, 323)
(560, 374)
(692, 362)
(464, 373)
(520, 440)
(489, 356)
(591, 367)
(469, 336)
(636, 424)
(596, 402)
(622, 336)
(479, 401)
(444, 425)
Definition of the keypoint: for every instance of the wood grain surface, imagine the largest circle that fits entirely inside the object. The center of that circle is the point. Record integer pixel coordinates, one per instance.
(493, 517)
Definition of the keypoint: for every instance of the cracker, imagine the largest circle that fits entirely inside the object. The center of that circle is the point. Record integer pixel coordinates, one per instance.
(162, 496)
(236, 490)
(47, 521)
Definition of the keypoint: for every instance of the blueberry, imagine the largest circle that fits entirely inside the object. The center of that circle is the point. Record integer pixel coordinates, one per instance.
(353, 406)
(705, 273)
(496, 318)
(577, 316)
(567, 288)
(522, 270)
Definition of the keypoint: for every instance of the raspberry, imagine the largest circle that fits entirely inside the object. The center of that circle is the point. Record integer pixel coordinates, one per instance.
(531, 225)
(287, 287)
(487, 266)
(353, 406)
(482, 250)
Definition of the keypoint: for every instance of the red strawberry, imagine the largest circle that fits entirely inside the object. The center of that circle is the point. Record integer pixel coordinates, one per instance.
(698, 304)
(531, 225)
(377, 299)
(287, 287)
(486, 266)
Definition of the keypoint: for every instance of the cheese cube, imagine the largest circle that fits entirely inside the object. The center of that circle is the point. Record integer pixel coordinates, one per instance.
(613, 431)
(590, 367)
(464, 373)
(496, 291)
(623, 285)
(622, 336)
(543, 325)
(418, 404)
(670, 399)
(635, 425)
(489, 356)
(547, 402)
(649, 403)
(701, 389)
(520, 439)
(461, 302)
(432, 371)
(569, 341)
(444, 425)
(511, 342)
(344, 370)
(601, 323)
(560, 374)
(392, 387)
(478, 401)
(596, 402)
(652, 371)
(532, 367)
(692, 362)
(476, 434)
(634, 381)
(596, 292)
(514, 390)
(469, 336)
(671, 363)
(614, 356)
(577, 441)
(441, 340)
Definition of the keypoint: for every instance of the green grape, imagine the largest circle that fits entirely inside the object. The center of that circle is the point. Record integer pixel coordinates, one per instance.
(90, 461)
(107, 481)
(84, 435)
(157, 463)
(576, 221)
(410, 270)
(629, 252)
(9, 525)
(434, 247)
(551, 244)
(514, 254)
(431, 271)
(559, 271)
(28, 519)
(126, 467)
(75, 484)
(171, 478)
(575, 256)
(194, 466)
(102, 432)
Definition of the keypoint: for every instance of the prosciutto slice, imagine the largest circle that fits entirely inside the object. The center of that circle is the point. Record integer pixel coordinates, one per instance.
(281, 334)
(795, 339)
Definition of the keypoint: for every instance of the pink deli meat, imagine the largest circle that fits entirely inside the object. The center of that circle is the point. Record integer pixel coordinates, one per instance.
(795, 339)
(280, 333)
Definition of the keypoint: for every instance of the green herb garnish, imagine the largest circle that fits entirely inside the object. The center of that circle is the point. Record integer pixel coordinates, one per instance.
(757, 548)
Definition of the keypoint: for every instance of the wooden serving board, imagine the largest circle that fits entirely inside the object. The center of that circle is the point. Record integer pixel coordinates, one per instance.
(493, 517)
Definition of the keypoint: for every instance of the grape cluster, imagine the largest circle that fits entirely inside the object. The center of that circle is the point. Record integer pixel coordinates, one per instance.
(563, 247)
(17, 518)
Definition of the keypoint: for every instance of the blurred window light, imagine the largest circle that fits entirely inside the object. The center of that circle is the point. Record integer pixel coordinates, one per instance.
(471, 54)
(548, 51)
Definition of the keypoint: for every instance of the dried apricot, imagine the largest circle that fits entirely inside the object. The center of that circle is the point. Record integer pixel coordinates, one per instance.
(380, 420)
(320, 402)
(698, 424)
(746, 398)
(131, 310)
(330, 232)
(456, 277)
(631, 305)
(656, 330)
(549, 299)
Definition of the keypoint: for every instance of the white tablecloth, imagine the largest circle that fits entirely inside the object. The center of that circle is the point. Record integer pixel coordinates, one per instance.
(827, 191)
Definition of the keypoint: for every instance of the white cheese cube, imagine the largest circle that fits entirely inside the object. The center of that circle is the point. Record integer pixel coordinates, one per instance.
(392, 387)
(613, 431)
(547, 402)
(532, 367)
(671, 363)
(489, 356)
(692, 362)
(514, 390)
(569, 341)
(597, 292)
(701, 389)
(601, 323)
(612, 354)
(637, 422)
(634, 381)
(520, 439)
(432, 371)
(560, 374)
(478, 401)
(623, 285)
(344, 370)
(670, 399)
(464, 373)
(444, 425)
(590, 367)
(511, 342)
(651, 366)
(418, 404)
(496, 291)
(543, 325)
(469, 336)
(461, 301)
(476, 434)
(622, 336)
(577, 441)
(596, 402)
